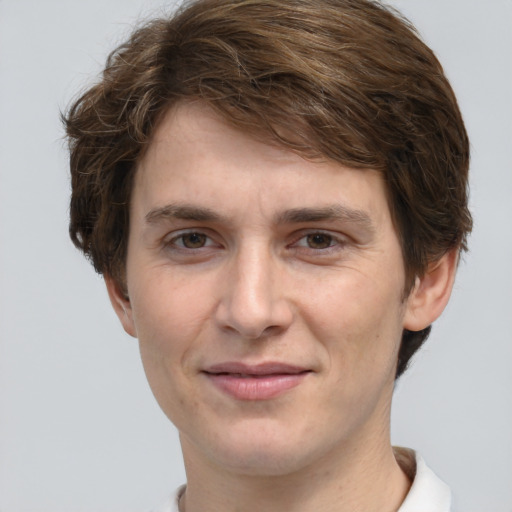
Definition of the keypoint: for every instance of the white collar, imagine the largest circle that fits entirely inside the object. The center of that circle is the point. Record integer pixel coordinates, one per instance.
(428, 492)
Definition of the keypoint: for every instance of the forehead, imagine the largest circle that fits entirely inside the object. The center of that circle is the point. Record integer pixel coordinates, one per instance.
(194, 124)
(196, 156)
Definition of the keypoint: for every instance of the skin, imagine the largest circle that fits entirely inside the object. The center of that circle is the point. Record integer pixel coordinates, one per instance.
(242, 251)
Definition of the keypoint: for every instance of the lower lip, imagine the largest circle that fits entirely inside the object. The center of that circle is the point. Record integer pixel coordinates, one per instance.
(261, 387)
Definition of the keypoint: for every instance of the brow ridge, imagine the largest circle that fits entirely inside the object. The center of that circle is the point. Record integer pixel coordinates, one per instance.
(334, 212)
(182, 212)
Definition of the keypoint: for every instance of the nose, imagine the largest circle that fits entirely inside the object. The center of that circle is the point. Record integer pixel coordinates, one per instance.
(253, 300)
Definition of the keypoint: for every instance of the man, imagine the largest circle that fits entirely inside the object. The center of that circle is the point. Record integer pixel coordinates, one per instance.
(276, 194)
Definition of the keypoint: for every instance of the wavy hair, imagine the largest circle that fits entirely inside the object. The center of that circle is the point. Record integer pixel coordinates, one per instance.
(346, 80)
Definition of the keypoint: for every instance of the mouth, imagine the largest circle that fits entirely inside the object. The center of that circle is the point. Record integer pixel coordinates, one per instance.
(255, 382)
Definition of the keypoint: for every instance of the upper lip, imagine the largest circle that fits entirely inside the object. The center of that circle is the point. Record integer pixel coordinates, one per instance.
(267, 368)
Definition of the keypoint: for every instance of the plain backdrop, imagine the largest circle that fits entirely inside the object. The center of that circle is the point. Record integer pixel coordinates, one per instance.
(79, 428)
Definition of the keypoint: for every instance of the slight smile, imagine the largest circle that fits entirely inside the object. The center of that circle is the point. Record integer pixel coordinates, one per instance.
(255, 382)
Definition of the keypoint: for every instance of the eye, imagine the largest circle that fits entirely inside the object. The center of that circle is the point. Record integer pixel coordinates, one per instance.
(319, 240)
(188, 246)
(190, 240)
(193, 240)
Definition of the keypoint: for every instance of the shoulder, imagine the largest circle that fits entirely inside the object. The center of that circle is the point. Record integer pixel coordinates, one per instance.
(428, 491)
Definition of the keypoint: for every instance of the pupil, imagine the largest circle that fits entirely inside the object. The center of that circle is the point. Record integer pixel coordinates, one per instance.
(194, 240)
(319, 241)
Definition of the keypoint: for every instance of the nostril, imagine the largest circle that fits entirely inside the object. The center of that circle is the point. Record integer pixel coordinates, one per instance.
(270, 331)
(252, 332)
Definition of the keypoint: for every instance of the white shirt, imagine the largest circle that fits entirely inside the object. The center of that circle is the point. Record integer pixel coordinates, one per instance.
(428, 493)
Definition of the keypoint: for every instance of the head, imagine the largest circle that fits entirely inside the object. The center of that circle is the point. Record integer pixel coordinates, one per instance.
(346, 81)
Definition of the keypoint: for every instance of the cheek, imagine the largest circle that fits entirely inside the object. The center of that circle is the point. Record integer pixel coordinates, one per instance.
(360, 331)
(169, 310)
(359, 321)
(169, 319)
(169, 316)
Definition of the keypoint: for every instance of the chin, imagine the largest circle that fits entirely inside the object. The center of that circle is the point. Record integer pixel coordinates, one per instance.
(263, 452)
(262, 463)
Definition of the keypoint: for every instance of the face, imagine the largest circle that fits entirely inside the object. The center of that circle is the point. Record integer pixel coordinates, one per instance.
(266, 294)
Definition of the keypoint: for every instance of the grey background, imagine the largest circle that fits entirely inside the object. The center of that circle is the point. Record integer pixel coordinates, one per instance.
(79, 429)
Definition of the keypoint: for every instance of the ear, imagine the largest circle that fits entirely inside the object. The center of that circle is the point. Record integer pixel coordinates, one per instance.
(121, 304)
(431, 293)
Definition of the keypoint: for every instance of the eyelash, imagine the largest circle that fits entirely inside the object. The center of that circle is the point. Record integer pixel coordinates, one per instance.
(173, 243)
(333, 242)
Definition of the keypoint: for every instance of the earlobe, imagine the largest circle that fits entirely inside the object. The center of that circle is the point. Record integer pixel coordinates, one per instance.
(121, 304)
(431, 293)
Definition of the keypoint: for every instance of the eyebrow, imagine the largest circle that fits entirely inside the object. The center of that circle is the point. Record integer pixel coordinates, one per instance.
(334, 212)
(182, 212)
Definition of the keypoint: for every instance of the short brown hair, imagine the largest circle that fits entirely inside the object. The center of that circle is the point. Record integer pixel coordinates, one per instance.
(347, 80)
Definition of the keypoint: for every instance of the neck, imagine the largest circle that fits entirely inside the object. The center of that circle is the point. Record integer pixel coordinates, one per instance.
(368, 480)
